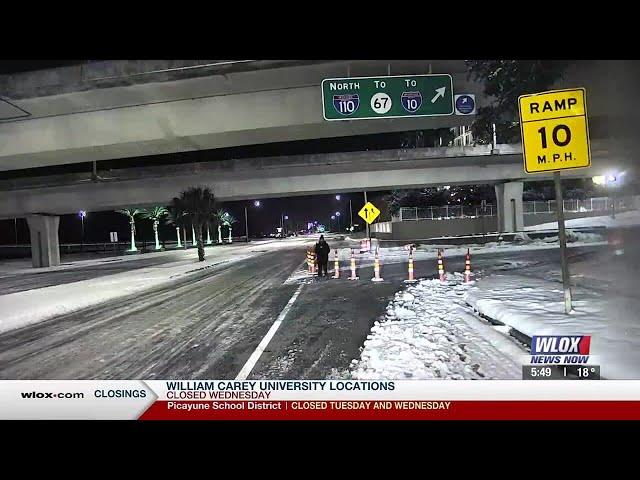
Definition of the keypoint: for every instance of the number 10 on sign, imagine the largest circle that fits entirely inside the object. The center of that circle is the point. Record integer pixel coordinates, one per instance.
(555, 133)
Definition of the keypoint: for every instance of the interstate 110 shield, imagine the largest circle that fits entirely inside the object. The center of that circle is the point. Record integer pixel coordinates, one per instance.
(346, 104)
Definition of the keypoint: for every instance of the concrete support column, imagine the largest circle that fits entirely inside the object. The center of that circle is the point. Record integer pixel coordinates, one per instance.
(45, 248)
(509, 207)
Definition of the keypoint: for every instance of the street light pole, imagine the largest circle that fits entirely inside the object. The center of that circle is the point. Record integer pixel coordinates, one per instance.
(82, 214)
(246, 224)
(365, 202)
(351, 215)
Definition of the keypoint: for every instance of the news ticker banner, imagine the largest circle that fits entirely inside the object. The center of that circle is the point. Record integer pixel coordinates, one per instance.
(318, 400)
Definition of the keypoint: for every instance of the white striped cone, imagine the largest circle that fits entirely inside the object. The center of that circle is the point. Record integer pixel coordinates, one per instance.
(353, 267)
(410, 266)
(440, 266)
(336, 266)
(376, 269)
(467, 267)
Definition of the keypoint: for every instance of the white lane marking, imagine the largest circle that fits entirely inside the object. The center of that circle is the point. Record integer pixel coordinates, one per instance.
(255, 356)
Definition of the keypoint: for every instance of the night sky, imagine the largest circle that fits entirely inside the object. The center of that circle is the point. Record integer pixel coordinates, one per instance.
(262, 220)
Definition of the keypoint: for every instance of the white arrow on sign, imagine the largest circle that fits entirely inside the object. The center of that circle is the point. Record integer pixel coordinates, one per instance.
(439, 94)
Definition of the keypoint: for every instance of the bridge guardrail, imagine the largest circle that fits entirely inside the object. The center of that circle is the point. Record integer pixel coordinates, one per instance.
(594, 204)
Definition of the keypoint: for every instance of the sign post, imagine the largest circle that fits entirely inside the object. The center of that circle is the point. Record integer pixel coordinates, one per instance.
(367, 223)
(555, 137)
(562, 237)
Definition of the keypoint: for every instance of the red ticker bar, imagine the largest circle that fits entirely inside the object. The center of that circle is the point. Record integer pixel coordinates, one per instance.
(393, 410)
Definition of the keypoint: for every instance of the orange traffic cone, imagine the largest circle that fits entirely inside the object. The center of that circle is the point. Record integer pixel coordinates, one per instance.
(467, 267)
(336, 266)
(376, 269)
(311, 261)
(353, 267)
(440, 266)
(410, 279)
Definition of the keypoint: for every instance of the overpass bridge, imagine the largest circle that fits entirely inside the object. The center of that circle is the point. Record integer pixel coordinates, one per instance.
(112, 110)
(283, 176)
(42, 199)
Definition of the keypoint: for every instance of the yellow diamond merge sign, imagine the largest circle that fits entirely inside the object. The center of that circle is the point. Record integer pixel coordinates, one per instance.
(369, 212)
(555, 132)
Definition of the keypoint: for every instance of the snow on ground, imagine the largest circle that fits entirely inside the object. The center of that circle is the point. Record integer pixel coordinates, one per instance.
(535, 306)
(31, 306)
(23, 265)
(624, 219)
(429, 333)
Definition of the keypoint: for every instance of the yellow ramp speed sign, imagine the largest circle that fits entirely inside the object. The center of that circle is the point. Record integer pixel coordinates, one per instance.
(555, 132)
(369, 212)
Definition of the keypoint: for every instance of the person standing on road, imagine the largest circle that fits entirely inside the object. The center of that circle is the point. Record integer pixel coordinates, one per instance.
(322, 254)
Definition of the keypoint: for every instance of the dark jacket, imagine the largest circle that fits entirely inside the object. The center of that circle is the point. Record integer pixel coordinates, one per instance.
(322, 250)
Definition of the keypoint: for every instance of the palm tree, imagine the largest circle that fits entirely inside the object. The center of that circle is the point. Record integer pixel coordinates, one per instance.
(209, 233)
(219, 216)
(228, 221)
(176, 218)
(131, 213)
(196, 204)
(155, 214)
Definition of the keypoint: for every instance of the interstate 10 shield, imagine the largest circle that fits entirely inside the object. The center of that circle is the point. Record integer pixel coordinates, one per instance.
(346, 104)
(411, 101)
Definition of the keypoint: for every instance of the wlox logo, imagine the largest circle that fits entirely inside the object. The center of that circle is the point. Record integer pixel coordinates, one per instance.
(560, 349)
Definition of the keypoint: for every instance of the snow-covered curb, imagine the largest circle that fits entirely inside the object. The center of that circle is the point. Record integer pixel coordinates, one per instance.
(23, 266)
(428, 333)
(534, 306)
(624, 219)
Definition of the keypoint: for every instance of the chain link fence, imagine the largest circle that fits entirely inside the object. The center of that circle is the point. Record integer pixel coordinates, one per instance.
(596, 204)
(448, 211)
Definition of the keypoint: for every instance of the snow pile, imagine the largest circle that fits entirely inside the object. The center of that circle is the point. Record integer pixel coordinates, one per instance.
(624, 219)
(428, 333)
(535, 306)
(575, 236)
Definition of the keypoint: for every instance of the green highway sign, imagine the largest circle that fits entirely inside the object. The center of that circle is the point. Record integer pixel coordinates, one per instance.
(360, 98)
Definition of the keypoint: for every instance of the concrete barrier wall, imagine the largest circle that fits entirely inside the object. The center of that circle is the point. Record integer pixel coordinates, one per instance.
(411, 230)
